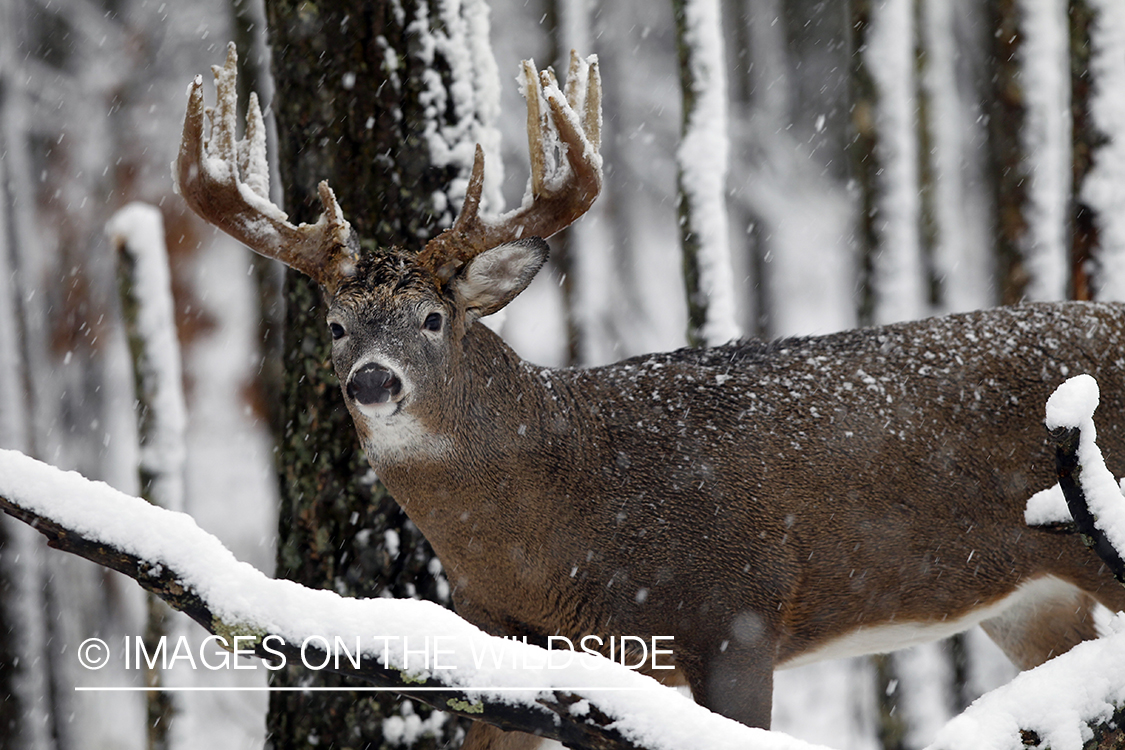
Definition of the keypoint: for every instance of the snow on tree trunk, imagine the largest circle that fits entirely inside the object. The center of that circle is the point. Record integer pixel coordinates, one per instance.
(137, 230)
(1104, 187)
(461, 111)
(1045, 138)
(30, 715)
(898, 272)
(703, 159)
(573, 29)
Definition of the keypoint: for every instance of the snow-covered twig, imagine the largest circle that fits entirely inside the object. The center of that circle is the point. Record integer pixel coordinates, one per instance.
(1092, 494)
(589, 702)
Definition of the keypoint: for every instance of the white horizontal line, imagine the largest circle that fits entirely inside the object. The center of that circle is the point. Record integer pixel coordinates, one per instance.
(322, 689)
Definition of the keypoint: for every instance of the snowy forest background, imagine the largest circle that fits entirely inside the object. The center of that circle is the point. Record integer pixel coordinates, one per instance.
(883, 161)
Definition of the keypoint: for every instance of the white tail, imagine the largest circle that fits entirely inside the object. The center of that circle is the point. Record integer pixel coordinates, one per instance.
(766, 504)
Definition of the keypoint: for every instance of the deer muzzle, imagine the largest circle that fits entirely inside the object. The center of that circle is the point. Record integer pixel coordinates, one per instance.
(373, 384)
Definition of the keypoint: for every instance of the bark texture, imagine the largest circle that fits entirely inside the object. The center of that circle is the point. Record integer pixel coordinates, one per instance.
(1087, 140)
(1006, 118)
(863, 158)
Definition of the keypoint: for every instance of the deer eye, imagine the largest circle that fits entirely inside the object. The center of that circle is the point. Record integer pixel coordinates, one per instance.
(432, 322)
(336, 330)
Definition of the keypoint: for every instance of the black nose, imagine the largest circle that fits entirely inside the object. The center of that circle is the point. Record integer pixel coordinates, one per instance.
(372, 384)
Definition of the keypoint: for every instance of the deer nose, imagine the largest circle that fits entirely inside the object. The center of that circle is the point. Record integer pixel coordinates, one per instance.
(372, 384)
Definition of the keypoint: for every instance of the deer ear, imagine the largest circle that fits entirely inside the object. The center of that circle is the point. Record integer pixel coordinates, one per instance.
(494, 278)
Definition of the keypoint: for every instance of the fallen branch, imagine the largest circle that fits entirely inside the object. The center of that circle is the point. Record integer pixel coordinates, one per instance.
(592, 703)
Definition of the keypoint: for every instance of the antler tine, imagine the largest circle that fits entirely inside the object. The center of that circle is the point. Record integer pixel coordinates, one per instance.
(470, 210)
(560, 191)
(537, 125)
(226, 182)
(592, 114)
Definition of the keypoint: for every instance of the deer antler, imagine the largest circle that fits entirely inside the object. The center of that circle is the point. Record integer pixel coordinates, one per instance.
(226, 182)
(561, 189)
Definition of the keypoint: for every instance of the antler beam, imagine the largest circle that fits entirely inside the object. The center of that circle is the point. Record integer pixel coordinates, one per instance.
(226, 182)
(564, 136)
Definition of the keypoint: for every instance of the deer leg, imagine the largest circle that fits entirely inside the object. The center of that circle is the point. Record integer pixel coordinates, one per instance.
(737, 683)
(1037, 628)
(483, 736)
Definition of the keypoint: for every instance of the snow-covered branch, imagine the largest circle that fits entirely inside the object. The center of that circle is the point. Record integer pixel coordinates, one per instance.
(1092, 494)
(580, 699)
(1062, 704)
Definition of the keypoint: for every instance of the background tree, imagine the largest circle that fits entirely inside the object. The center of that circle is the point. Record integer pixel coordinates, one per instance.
(384, 100)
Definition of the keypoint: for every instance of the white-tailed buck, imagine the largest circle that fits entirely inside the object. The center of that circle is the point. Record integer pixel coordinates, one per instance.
(767, 504)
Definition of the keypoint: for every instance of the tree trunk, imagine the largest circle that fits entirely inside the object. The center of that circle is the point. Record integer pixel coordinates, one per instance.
(351, 107)
(702, 160)
(1032, 149)
(1086, 141)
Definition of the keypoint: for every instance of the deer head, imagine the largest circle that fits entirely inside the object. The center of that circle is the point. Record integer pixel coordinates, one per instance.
(397, 318)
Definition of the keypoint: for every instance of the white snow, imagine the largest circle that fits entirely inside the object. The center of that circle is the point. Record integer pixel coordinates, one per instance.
(925, 675)
(574, 27)
(1056, 700)
(248, 602)
(229, 456)
(810, 279)
(962, 241)
(1072, 405)
(1047, 507)
(1045, 136)
(703, 157)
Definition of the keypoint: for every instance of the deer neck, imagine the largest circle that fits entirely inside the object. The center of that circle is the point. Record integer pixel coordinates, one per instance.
(498, 417)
